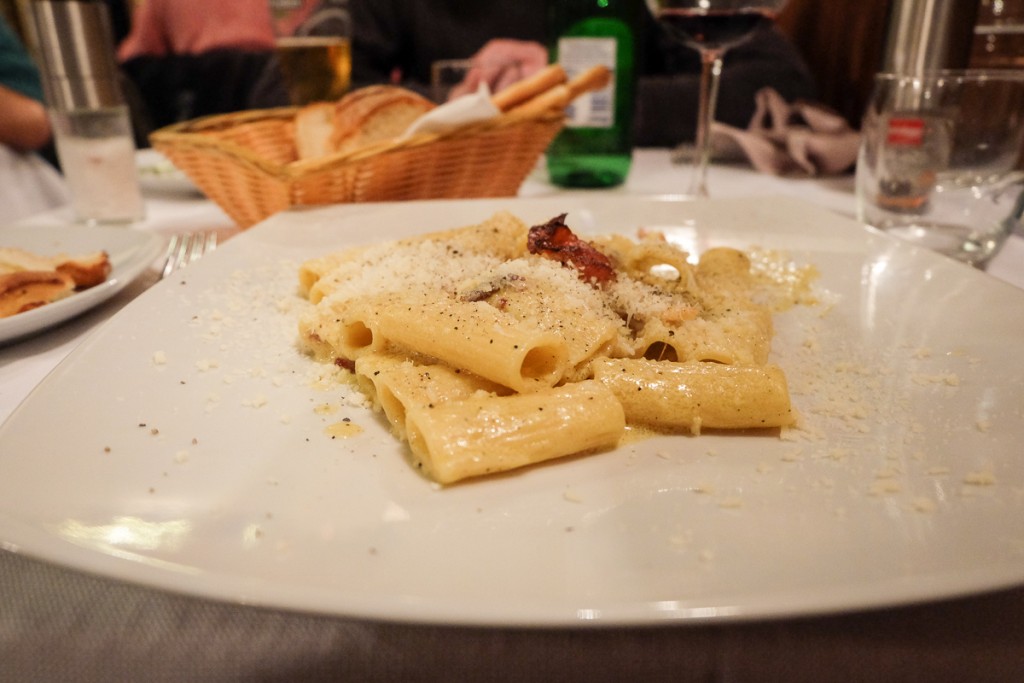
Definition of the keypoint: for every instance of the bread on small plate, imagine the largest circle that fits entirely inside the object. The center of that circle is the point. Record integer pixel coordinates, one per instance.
(29, 280)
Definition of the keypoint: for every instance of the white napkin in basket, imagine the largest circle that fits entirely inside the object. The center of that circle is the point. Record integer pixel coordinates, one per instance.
(461, 111)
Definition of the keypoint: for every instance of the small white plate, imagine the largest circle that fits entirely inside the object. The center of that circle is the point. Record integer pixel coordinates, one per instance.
(130, 252)
(158, 174)
(194, 450)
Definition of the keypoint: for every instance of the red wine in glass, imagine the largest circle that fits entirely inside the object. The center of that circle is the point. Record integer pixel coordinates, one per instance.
(711, 27)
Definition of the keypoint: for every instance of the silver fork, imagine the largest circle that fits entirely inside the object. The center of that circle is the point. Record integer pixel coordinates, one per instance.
(186, 248)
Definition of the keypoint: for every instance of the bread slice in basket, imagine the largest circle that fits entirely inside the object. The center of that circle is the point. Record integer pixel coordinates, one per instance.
(385, 112)
(358, 119)
(249, 162)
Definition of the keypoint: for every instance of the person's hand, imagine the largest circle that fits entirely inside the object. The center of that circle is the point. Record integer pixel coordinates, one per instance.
(25, 125)
(502, 62)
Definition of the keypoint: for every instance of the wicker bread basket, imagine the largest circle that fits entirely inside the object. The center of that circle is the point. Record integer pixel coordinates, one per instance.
(246, 162)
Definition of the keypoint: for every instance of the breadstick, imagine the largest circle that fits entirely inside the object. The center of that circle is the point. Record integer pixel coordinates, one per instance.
(594, 78)
(557, 97)
(528, 88)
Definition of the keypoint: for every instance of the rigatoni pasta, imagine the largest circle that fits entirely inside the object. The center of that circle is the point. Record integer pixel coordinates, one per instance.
(397, 385)
(694, 395)
(488, 434)
(498, 345)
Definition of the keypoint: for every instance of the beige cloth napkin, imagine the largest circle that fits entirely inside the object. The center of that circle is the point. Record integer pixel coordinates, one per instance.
(785, 138)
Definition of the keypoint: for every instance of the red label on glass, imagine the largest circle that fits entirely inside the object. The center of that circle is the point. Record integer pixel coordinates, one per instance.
(906, 131)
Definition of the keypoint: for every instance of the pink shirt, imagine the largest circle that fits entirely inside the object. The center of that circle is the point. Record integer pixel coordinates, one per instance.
(161, 27)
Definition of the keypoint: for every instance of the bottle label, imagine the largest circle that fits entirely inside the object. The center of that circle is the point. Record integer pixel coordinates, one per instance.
(595, 109)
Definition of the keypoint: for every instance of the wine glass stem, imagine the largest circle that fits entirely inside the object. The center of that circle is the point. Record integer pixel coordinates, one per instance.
(711, 69)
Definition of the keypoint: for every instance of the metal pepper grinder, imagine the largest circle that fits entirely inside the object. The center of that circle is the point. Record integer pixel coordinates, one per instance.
(91, 123)
(926, 35)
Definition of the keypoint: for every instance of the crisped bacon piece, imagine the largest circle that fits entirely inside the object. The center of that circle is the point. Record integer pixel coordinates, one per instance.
(555, 240)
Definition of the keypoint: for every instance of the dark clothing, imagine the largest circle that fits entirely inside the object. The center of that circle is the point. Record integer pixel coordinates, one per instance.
(17, 70)
(409, 35)
(180, 87)
(666, 107)
(406, 36)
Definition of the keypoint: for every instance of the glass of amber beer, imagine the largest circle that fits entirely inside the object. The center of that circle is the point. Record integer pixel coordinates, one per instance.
(313, 45)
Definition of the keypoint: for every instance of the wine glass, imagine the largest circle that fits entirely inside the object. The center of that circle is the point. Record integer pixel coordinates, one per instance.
(711, 27)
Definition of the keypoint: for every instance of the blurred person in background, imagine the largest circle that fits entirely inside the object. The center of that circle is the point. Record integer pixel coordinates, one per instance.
(28, 183)
(396, 41)
(24, 125)
(189, 58)
(190, 27)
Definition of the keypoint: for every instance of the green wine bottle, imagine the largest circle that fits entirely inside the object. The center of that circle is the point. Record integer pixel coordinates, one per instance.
(595, 148)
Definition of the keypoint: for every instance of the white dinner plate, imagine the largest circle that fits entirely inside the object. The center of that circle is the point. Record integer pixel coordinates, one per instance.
(203, 458)
(130, 252)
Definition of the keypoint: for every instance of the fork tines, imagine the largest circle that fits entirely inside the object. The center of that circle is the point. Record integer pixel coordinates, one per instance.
(185, 248)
